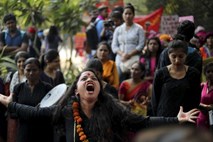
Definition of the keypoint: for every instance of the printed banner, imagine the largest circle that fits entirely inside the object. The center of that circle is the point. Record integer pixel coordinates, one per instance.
(169, 24)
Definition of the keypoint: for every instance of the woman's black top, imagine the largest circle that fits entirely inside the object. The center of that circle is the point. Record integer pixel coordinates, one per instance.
(121, 120)
(32, 130)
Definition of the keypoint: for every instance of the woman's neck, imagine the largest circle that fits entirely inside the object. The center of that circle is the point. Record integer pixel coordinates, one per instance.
(177, 68)
(21, 72)
(48, 70)
(104, 60)
(129, 24)
(87, 107)
(136, 80)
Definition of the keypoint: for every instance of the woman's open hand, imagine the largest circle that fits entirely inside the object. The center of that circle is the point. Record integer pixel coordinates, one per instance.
(189, 116)
(5, 100)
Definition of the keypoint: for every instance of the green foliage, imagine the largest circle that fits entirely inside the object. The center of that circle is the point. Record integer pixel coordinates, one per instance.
(6, 62)
(68, 16)
(70, 74)
(140, 6)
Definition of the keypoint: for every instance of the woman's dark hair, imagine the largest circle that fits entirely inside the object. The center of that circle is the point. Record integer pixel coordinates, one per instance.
(21, 54)
(101, 121)
(8, 17)
(50, 56)
(116, 15)
(147, 55)
(53, 32)
(187, 29)
(101, 8)
(142, 68)
(177, 44)
(119, 9)
(179, 37)
(32, 60)
(207, 66)
(159, 45)
(131, 7)
(95, 64)
(103, 43)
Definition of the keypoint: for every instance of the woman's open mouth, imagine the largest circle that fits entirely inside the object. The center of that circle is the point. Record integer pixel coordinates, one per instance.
(90, 88)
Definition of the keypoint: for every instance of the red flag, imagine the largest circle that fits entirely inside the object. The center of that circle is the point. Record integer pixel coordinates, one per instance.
(151, 21)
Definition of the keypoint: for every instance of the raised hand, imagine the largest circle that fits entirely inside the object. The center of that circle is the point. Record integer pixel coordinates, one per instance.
(189, 116)
(5, 100)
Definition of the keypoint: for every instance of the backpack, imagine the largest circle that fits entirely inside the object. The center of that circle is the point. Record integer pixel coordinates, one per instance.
(92, 35)
(4, 35)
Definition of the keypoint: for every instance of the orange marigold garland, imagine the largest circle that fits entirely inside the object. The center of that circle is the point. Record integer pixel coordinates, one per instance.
(78, 121)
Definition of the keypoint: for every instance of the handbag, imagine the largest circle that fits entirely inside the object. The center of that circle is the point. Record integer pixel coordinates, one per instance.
(126, 65)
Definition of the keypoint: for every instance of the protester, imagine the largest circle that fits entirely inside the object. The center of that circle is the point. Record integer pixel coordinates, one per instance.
(136, 92)
(52, 39)
(206, 49)
(91, 115)
(185, 30)
(97, 66)
(206, 103)
(34, 49)
(19, 75)
(150, 57)
(110, 73)
(194, 42)
(15, 39)
(110, 25)
(116, 17)
(176, 84)
(128, 41)
(30, 93)
(103, 14)
(50, 64)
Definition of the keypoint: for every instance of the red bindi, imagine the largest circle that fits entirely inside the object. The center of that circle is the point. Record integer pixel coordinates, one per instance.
(88, 73)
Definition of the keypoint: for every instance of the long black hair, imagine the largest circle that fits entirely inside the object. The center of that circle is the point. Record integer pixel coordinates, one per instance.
(147, 55)
(50, 56)
(53, 32)
(103, 114)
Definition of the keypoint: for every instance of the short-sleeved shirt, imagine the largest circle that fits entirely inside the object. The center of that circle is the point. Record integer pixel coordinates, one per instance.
(16, 40)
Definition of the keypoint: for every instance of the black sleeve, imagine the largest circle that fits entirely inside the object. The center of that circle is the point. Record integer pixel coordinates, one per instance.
(195, 94)
(133, 122)
(26, 112)
(48, 86)
(16, 91)
(157, 89)
(61, 77)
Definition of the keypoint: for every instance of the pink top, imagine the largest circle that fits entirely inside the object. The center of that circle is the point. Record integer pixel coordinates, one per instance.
(206, 98)
(153, 65)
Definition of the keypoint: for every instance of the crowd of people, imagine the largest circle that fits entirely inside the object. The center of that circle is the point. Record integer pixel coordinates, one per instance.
(130, 83)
